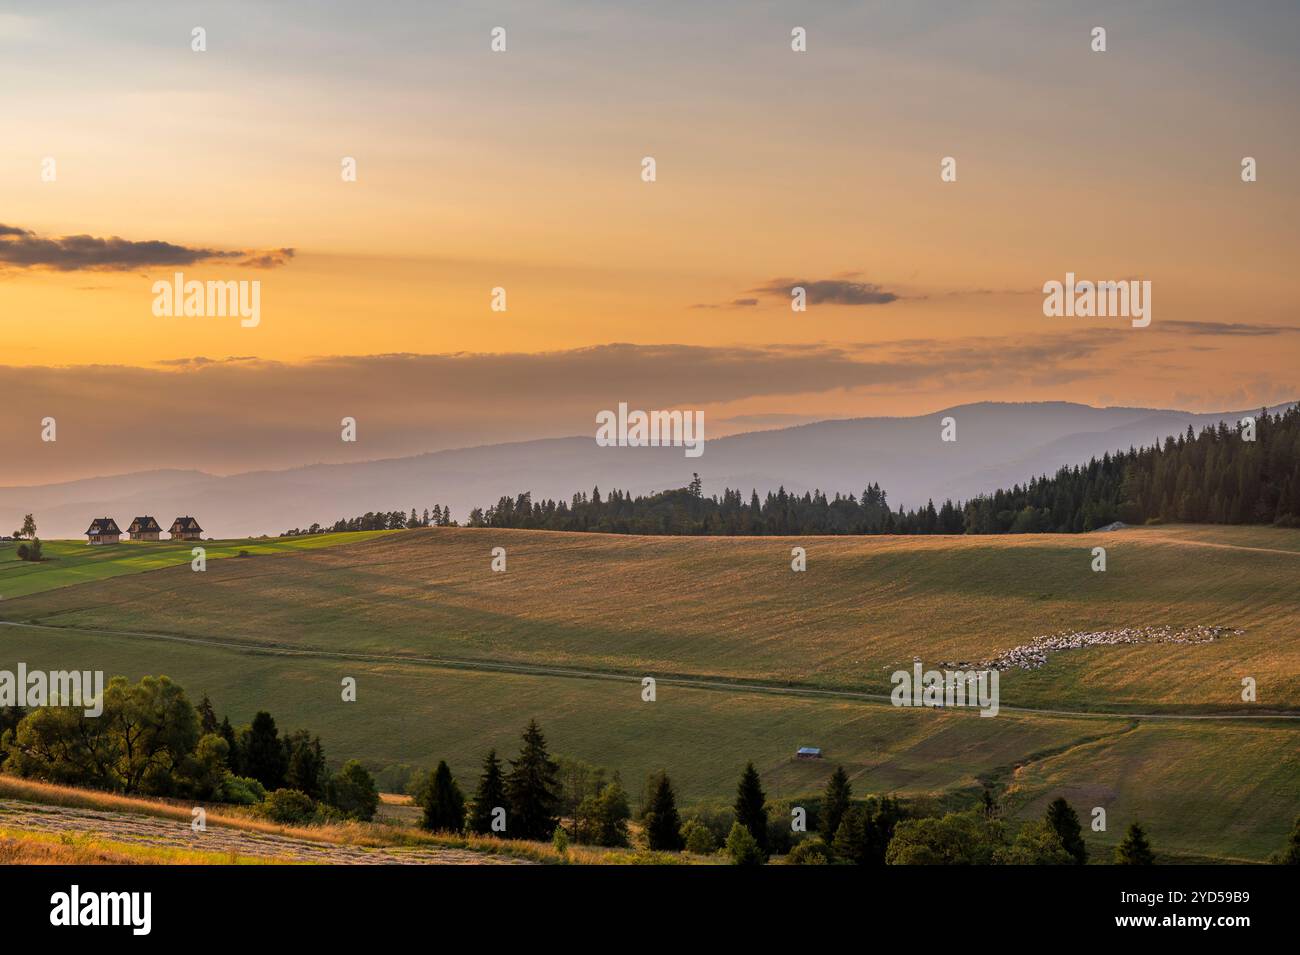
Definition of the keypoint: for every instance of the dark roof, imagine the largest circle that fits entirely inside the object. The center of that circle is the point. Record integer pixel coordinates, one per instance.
(141, 524)
(102, 525)
(186, 524)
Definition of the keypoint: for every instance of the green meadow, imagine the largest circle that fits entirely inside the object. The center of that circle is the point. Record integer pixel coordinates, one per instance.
(434, 632)
(76, 562)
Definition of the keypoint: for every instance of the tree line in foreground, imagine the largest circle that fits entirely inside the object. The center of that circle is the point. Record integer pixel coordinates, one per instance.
(151, 740)
(538, 799)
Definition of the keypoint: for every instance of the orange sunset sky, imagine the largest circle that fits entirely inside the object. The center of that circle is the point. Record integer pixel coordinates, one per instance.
(522, 169)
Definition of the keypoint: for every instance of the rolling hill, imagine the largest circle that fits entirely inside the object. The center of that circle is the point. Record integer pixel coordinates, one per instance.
(752, 660)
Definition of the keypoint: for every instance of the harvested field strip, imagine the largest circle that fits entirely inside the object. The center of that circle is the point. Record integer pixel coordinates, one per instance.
(238, 844)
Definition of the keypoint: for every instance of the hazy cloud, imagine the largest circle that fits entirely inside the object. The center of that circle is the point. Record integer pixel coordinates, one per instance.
(734, 303)
(1239, 329)
(831, 291)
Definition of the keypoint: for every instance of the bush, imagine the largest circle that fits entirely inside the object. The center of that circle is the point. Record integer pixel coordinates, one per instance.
(958, 838)
(809, 852)
(560, 840)
(699, 838)
(743, 847)
(353, 792)
(289, 807)
(1037, 843)
(716, 819)
(241, 790)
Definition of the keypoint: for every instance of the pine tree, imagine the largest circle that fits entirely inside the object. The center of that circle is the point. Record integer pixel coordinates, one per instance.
(263, 756)
(306, 764)
(207, 716)
(663, 826)
(1134, 850)
(444, 807)
(750, 809)
(835, 803)
(850, 843)
(234, 757)
(533, 788)
(490, 795)
(1065, 822)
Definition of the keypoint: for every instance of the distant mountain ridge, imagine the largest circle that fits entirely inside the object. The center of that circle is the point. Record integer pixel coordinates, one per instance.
(998, 445)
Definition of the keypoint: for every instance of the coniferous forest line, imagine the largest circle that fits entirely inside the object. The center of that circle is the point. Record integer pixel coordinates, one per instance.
(1215, 477)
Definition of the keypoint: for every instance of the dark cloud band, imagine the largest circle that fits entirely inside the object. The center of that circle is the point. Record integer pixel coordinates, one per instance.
(24, 249)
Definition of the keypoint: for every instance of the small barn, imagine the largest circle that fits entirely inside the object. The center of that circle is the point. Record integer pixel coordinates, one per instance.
(808, 752)
(186, 529)
(144, 529)
(103, 530)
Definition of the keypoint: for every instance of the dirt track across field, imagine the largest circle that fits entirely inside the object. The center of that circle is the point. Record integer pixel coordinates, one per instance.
(139, 829)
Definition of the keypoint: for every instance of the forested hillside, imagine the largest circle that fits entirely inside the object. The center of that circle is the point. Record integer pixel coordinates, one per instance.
(1216, 477)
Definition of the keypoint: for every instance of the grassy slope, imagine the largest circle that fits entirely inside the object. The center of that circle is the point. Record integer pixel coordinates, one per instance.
(732, 607)
(75, 562)
(417, 714)
(1225, 791)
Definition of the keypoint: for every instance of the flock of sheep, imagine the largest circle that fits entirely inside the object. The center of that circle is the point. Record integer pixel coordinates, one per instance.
(1033, 655)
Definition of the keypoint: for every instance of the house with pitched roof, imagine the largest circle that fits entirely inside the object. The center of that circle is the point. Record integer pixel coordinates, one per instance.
(144, 529)
(186, 529)
(103, 530)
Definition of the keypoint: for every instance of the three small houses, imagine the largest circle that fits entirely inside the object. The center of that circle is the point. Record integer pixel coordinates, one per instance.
(104, 530)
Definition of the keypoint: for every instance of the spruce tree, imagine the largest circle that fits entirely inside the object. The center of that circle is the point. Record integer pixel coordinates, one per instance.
(750, 809)
(1134, 850)
(490, 795)
(207, 716)
(306, 770)
(835, 803)
(850, 844)
(1063, 819)
(263, 755)
(533, 788)
(234, 758)
(663, 826)
(880, 818)
(444, 807)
